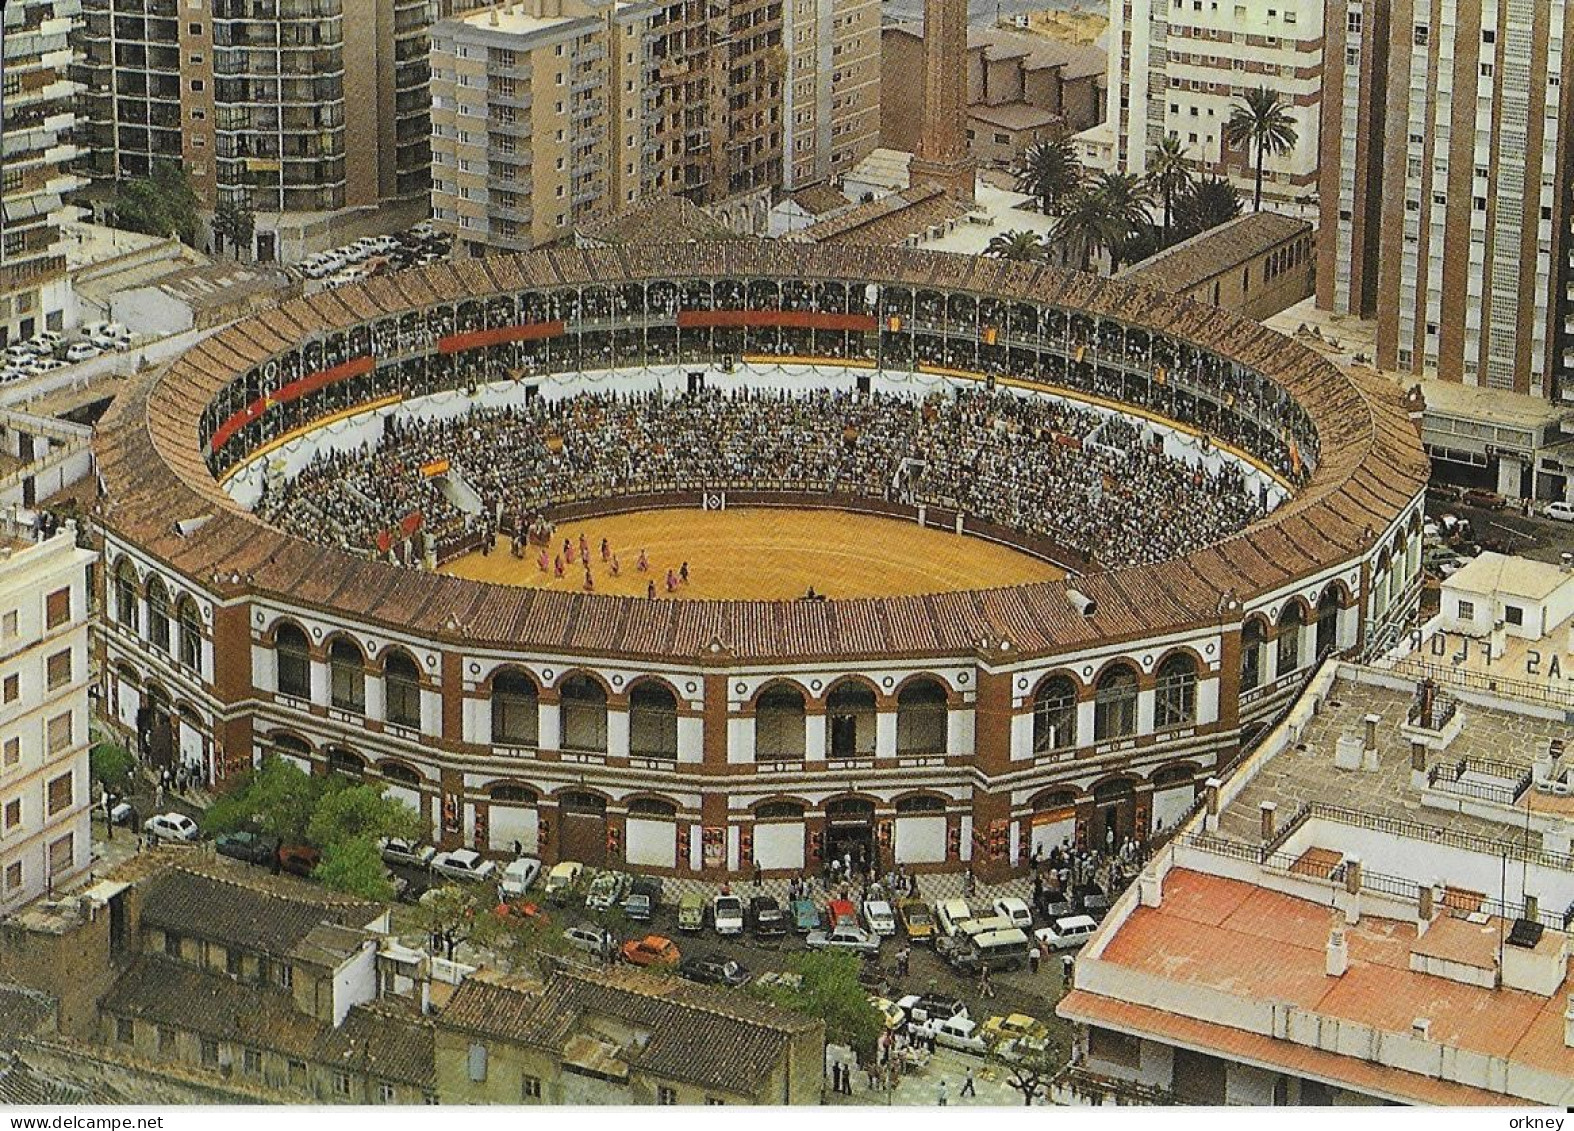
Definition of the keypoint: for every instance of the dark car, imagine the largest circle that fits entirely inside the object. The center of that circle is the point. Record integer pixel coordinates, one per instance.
(1481, 497)
(932, 1007)
(714, 970)
(250, 847)
(299, 859)
(766, 918)
(643, 899)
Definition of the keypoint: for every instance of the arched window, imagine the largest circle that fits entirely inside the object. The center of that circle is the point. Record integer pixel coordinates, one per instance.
(652, 807)
(158, 614)
(849, 809)
(1328, 622)
(852, 719)
(779, 811)
(346, 762)
(584, 714)
(922, 803)
(293, 656)
(1288, 646)
(401, 691)
(126, 595)
(404, 775)
(1252, 640)
(921, 718)
(1115, 704)
(516, 715)
(779, 723)
(190, 634)
(653, 721)
(298, 750)
(513, 794)
(576, 802)
(1055, 715)
(1175, 703)
(347, 676)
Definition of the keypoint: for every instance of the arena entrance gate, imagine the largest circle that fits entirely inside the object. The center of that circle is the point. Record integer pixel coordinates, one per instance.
(1115, 814)
(155, 728)
(582, 828)
(849, 832)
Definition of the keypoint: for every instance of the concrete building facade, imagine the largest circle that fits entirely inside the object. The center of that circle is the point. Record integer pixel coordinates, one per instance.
(1179, 67)
(1444, 206)
(44, 792)
(832, 102)
(37, 148)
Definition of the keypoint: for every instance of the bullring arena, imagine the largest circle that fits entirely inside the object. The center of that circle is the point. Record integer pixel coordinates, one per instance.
(1072, 544)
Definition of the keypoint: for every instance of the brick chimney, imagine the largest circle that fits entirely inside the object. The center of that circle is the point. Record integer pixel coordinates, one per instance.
(943, 158)
(1268, 810)
(1351, 899)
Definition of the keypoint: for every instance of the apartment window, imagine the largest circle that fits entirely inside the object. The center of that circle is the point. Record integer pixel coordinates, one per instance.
(57, 670)
(1488, 36)
(59, 794)
(530, 1088)
(171, 945)
(13, 876)
(251, 1062)
(193, 29)
(57, 608)
(12, 84)
(1467, 610)
(198, 86)
(1486, 70)
(1422, 35)
(13, 688)
(476, 1063)
(286, 975)
(210, 1053)
(1513, 614)
(13, 753)
(8, 625)
(341, 1083)
(62, 854)
(666, 1096)
(58, 734)
(13, 813)
(385, 1092)
(125, 1030)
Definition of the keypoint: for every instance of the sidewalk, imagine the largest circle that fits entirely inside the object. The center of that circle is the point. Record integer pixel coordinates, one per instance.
(921, 1088)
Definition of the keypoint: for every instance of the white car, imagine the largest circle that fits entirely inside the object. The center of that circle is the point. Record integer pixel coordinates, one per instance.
(396, 850)
(844, 936)
(591, 939)
(354, 253)
(562, 879)
(463, 864)
(1015, 911)
(81, 351)
(171, 826)
(47, 365)
(1558, 509)
(1068, 933)
(727, 915)
(879, 917)
(45, 342)
(18, 354)
(959, 1032)
(518, 876)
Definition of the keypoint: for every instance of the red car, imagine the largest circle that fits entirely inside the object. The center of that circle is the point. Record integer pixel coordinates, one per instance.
(299, 859)
(652, 950)
(519, 912)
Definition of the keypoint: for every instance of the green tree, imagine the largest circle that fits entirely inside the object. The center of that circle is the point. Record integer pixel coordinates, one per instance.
(279, 798)
(830, 991)
(1050, 171)
(1104, 216)
(457, 913)
(360, 813)
(1209, 202)
(162, 204)
(1031, 1070)
(110, 765)
(1261, 120)
(1020, 245)
(355, 866)
(237, 224)
(1169, 175)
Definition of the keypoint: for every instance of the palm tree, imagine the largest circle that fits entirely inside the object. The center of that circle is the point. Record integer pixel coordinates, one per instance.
(1020, 245)
(1051, 172)
(1264, 121)
(1207, 204)
(1169, 175)
(1104, 216)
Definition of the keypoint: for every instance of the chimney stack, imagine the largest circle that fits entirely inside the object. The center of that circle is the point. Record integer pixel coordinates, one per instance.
(943, 158)
(1350, 898)
(1352, 875)
(1371, 722)
(1421, 1028)
(1532, 907)
(1268, 809)
(1210, 818)
(1568, 562)
(1338, 957)
(1568, 1024)
(1426, 906)
(1418, 755)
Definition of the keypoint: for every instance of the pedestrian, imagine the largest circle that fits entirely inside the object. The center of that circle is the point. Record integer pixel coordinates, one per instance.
(519, 849)
(902, 957)
(985, 987)
(942, 1098)
(1068, 966)
(1032, 960)
(759, 874)
(967, 1086)
(847, 1079)
(650, 591)
(683, 572)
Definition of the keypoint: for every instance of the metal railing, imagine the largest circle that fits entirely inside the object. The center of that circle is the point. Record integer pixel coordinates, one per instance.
(1530, 691)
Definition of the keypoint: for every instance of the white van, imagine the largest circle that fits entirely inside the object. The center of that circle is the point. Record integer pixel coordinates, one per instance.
(1068, 933)
(998, 949)
(951, 914)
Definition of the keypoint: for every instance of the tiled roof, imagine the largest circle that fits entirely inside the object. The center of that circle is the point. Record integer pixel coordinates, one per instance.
(205, 907)
(21, 1085)
(1371, 466)
(656, 219)
(166, 992)
(1013, 115)
(383, 1040)
(23, 1012)
(817, 200)
(1179, 268)
(888, 220)
(697, 1034)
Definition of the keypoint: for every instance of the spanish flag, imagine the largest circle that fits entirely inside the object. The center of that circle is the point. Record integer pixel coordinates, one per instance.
(1080, 351)
(435, 468)
(990, 335)
(894, 323)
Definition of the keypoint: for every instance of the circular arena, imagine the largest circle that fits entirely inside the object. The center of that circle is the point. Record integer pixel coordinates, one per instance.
(530, 543)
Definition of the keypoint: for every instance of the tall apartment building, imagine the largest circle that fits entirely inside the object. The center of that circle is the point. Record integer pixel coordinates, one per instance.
(539, 115)
(1179, 66)
(1446, 189)
(832, 97)
(301, 111)
(45, 839)
(36, 144)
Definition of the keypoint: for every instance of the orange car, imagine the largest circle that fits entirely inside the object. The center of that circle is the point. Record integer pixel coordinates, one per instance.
(652, 950)
(520, 912)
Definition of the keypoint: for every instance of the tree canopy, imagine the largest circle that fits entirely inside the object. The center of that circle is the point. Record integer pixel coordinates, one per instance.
(161, 204)
(110, 764)
(1260, 119)
(830, 991)
(278, 798)
(355, 866)
(1050, 171)
(360, 812)
(1020, 245)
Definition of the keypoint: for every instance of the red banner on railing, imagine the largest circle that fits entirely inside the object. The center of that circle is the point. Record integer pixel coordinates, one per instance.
(477, 339)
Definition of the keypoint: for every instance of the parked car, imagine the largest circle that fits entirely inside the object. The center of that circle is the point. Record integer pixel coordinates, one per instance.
(607, 890)
(520, 911)
(766, 918)
(171, 826)
(1558, 509)
(1068, 933)
(652, 950)
(19, 353)
(917, 920)
(1015, 911)
(840, 910)
(691, 912)
(950, 914)
(805, 915)
(591, 939)
(932, 1007)
(844, 936)
(714, 970)
(1017, 1027)
(1096, 904)
(106, 344)
(562, 880)
(250, 847)
(726, 915)
(518, 875)
(299, 859)
(45, 343)
(958, 1032)
(643, 900)
(879, 917)
(890, 1013)
(463, 864)
(81, 351)
(1481, 497)
(396, 850)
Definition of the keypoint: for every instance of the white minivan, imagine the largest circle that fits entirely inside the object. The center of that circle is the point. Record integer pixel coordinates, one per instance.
(951, 914)
(1068, 933)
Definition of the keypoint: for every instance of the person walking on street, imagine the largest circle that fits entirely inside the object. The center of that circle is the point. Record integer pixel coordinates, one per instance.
(985, 987)
(967, 1086)
(942, 1100)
